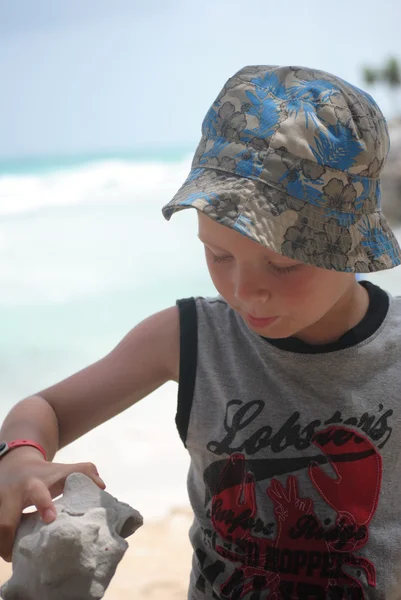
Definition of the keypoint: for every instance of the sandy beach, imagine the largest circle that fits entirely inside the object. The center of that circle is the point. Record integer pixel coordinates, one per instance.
(156, 564)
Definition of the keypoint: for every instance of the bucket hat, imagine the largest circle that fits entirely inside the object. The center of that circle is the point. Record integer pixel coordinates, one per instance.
(291, 157)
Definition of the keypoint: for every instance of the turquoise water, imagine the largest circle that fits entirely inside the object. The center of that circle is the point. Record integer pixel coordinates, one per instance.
(49, 164)
(77, 275)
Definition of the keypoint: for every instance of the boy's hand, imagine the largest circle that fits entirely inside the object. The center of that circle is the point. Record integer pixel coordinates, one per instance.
(26, 479)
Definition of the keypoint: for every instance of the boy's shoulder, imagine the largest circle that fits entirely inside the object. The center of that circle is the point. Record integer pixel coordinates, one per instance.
(204, 307)
(212, 306)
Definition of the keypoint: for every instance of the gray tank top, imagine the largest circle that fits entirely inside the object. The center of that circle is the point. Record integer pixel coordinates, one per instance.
(295, 473)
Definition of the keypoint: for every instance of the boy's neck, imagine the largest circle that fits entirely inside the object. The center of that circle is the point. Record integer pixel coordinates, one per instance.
(345, 314)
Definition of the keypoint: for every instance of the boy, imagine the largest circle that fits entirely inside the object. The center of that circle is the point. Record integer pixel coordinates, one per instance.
(289, 380)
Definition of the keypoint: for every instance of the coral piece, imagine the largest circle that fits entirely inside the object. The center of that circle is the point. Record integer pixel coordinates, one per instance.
(76, 556)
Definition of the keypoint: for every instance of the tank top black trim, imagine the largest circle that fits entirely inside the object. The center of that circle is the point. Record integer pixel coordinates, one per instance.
(188, 363)
(378, 307)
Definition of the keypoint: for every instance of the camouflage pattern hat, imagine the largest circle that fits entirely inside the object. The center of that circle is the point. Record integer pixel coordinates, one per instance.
(291, 157)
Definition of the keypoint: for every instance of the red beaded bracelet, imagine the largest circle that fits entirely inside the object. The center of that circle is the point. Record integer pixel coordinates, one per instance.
(7, 446)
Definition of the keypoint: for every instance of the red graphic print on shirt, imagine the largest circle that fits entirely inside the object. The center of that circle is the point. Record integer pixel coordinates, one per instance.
(306, 557)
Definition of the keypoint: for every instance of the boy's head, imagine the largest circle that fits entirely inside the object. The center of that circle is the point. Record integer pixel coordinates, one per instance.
(290, 158)
(279, 297)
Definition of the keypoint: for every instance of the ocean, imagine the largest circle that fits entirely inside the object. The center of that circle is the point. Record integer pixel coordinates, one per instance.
(86, 254)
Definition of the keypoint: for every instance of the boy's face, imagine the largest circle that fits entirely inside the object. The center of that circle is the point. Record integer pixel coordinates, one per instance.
(276, 296)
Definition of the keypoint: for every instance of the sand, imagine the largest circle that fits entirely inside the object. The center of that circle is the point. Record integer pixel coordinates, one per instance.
(156, 564)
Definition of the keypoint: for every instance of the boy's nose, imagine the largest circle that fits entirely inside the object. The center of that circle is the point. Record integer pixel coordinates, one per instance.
(250, 289)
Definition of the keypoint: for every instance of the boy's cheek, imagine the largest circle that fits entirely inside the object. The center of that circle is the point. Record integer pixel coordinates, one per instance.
(223, 283)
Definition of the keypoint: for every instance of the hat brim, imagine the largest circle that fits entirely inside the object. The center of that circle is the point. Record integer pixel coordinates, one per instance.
(311, 234)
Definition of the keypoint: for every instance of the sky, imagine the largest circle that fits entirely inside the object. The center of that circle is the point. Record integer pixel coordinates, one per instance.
(82, 76)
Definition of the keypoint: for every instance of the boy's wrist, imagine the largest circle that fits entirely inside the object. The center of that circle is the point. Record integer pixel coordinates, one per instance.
(28, 446)
(23, 453)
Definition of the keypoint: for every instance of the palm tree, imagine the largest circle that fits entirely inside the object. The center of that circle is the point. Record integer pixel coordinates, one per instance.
(389, 74)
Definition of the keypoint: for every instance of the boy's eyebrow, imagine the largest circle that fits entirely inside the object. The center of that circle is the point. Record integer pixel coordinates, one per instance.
(210, 243)
(273, 261)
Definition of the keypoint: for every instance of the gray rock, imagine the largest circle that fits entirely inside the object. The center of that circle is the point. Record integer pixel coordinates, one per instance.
(76, 556)
(391, 176)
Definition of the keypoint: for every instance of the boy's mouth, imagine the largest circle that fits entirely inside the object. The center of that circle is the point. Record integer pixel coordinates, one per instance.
(258, 322)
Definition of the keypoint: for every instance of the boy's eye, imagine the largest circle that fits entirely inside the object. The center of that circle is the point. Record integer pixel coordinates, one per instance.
(283, 270)
(220, 259)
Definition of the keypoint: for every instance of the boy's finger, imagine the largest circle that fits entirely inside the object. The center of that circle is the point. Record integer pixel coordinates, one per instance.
(40, 497)
(88, 469)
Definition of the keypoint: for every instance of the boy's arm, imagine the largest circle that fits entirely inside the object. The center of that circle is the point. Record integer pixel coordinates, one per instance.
(146, 358)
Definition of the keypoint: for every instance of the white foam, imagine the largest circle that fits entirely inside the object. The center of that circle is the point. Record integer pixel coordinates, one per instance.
(90, 230)
(97, 182)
